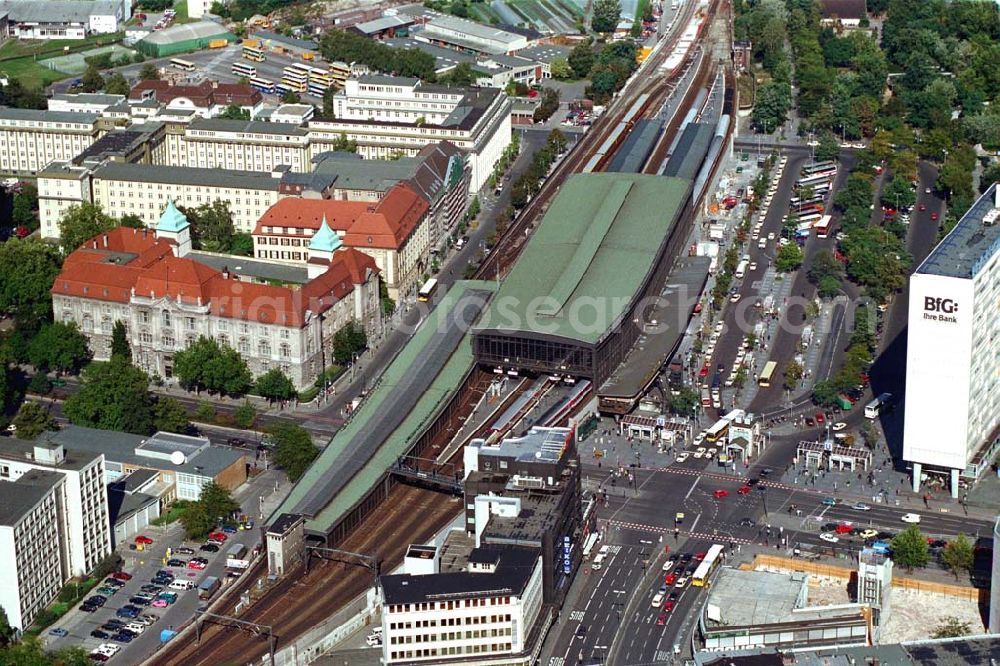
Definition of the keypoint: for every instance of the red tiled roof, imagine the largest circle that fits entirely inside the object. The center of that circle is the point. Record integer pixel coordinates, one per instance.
(202, 95)
(308, 214)
(113, 265)
(385, 224)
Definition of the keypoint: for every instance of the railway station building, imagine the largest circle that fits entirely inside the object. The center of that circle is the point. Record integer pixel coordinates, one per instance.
(576, 300)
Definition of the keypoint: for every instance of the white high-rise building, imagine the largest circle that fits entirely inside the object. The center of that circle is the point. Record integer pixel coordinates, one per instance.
(952, 421)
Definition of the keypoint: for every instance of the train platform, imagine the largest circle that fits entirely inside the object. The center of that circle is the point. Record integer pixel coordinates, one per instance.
(672, 311)
(411, 393)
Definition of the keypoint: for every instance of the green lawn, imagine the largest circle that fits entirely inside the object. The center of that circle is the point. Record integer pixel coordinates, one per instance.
(13, 48)
(30, 73)
(175, 511)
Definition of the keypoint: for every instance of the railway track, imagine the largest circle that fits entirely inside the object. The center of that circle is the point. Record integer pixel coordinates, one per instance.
(299, 603)
(706, 72)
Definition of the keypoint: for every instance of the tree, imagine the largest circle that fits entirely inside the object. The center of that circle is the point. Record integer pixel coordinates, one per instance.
(275, 385)
(92, 81)
(59, 346)
(548, 106)
(293, 449)
(7, 632)
(828, 148)
(774, 99)
(39, 384)
(793, 375)
(951, 627)
(825, 393)
(958, 555)
(169, 415)
(25, 210)
(32, 420)
(116, 85)
(348, 341)
(207, 365)
(899, 194)
(113, 396)
(561, 69)
(82, 222)
(28, 268)
(789, 258)
(684, 402)
(131, 221)
(909, 548)
(217, 501)
(212, 227)
(245, 415)
(196, 521)
(241, 245)
(869, 433)
(826, 273)
(606, 15)
(581, 60)
(290, 97)
(234, 112)
(119, 341)
(149, 72)
(461, 75)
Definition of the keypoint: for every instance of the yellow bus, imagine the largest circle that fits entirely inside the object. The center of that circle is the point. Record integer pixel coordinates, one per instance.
(713, 558)
(254, 53)
(767, 374)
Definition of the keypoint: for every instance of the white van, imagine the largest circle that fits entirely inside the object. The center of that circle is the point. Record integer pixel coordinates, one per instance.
(181, 585)
(598, 562)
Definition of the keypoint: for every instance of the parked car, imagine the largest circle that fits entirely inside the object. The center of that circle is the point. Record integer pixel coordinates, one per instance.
(127, 611)
(183, 550)
(114, 582)
(107, 590)
(139, 601)
(151, 589)
(123, 637)
(122, 576)
(97, 633)
(218, 537)
(174, 562)
(58, 631)
(209, 548)
(89, 608)
(143, 540)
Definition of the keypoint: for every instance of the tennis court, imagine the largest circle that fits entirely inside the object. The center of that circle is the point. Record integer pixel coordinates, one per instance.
(74, 63)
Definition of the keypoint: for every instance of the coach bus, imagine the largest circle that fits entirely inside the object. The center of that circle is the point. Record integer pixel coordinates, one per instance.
(819, 167)
(713, 558)
(717, 431)
(873, 408)
(183, 65)
(813, 181)
(427, 290)
(243, 69)
(767, 374)
(823, 227)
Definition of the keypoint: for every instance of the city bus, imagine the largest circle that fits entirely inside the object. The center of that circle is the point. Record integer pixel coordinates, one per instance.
(253, 53)
(823, 227)
(811, 218)
(717, 431)
(427, 290)
(183, 65)
(873, 408)
(813, 181)
(819, 167)
(243, 69)
(713, 558)
(263, 85)
(767, 374)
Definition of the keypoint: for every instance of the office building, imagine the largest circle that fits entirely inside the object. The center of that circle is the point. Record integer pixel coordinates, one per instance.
(204, 100)
(952, 417)
(30, 139)
(241, 145)
(394, 231)
(488, 612)
(145, 190)
(875, 586)
(387, 116)
(63, 19)
(168, 296)
(525, 491)
(30, 507)
(84, 527)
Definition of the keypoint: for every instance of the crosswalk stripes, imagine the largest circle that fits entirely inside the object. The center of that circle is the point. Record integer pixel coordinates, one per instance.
(722, 477)
(657, 529)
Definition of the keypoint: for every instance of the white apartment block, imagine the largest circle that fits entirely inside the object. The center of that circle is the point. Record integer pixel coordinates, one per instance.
(952, 418)
(146, 189)
(485, 614)
(29, 530)
(30, 139)
(240, 145)
(84, 102)
(168, 299)
(390, 115)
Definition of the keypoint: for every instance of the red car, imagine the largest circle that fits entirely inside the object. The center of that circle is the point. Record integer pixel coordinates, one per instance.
(703, 372)
(843, 528)
(819, 417)
(922, 207)
(719, 494)
(195, 565)
(668, 605)
(22, 232)
(744, 490)
(698, 557)
(144, 540)
(934, 217)
(122, 576)
(670, 579)
(661, 619)
(218, 537)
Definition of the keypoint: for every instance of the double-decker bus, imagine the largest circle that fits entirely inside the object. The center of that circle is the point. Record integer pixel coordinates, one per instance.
(713, 558)
(280, 88)
(873, 408)
(767, 374)
(823, 227)
(254, 53)
(263, 85)
(243, 69)
(320, 80)
(183, 65)
(427, 290)
(717, 431)
(296, 77)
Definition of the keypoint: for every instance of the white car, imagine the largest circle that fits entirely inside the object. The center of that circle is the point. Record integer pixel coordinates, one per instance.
(709, 454)
(861, 506)
(698, 455)
(657, 600)
(838, 426)
(668, 565)
(927, 190)
(752, 267)
(716, 403)
(735, 298)
(719, 326)
(829, 536)
(770, 236)
(699, 438)
(910, 518)
(681, 457)
(681, 582)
